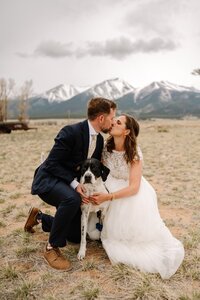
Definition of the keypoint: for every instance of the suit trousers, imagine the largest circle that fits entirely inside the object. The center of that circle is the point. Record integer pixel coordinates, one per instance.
(66, 224)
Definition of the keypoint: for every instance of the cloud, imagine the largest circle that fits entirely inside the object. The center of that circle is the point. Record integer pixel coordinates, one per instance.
(118, 48)
(122, 47)
(53, 49)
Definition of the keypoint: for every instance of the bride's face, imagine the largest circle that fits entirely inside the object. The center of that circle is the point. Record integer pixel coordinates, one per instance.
(119, 127)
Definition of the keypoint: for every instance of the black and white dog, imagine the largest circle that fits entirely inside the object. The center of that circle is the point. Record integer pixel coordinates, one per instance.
(93, 174)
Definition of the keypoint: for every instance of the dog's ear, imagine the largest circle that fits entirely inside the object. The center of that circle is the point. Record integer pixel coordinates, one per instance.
(104, 172)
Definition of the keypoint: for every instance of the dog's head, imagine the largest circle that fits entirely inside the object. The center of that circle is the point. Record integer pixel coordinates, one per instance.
(92, 169)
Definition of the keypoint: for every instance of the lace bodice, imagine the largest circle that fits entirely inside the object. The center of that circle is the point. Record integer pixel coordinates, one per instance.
(115, 161)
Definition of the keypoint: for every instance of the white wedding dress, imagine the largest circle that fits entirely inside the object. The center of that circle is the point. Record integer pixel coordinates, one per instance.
(133, 231)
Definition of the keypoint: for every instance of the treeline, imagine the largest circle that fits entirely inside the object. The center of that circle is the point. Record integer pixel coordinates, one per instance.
(7, 91)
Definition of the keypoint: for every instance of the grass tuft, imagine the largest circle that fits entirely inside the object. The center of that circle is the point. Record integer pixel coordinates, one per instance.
(2, 224)
(25, 291)
(20, 215)
(195, 296)
(8, 272)
(88, 265)
(8, 210)
(143, 289)
(26, 251)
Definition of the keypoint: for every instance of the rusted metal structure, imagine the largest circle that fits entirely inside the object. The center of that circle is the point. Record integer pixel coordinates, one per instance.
(7, 127)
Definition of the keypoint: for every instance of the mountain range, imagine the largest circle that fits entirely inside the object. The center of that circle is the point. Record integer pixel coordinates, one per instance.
(159, 99)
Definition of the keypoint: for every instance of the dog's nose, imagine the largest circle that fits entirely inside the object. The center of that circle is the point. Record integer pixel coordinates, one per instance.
(88, 178)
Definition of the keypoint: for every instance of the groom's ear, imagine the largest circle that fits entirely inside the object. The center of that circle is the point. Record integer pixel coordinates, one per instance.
(78, 168)
(104, 172)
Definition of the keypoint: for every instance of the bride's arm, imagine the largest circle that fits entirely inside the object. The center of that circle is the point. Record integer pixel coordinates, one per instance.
(134, 182)
(132, 189)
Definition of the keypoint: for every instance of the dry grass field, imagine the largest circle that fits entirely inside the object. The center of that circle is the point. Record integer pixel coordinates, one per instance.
(171, 164)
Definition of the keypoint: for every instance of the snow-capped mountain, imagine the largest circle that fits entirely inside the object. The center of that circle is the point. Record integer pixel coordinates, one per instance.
(111, 89)
(162, 99)
(62, 92)
(165, 89)
(159, 99)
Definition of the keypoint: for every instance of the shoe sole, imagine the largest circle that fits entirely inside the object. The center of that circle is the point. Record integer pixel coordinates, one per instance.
(62, 270)
(30, 211)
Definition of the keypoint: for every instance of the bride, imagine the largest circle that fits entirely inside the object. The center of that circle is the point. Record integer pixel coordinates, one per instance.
(133, 231)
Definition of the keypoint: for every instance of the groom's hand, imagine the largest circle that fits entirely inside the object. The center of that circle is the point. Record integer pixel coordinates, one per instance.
(81, 190)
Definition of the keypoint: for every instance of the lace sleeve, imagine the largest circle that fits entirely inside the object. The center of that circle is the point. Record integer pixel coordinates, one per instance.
(140, 153)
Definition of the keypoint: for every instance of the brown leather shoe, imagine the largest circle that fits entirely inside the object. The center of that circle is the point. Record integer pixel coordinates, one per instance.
(56, 260)
(31, 220)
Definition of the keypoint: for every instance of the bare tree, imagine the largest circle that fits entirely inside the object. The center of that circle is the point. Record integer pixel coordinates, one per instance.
(6, 88)
(25, 93)
(196, 72)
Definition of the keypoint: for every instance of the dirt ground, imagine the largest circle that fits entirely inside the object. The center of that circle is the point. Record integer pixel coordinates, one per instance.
(171, 164)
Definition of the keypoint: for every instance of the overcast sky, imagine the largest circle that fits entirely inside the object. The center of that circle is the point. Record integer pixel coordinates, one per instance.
(83, 42)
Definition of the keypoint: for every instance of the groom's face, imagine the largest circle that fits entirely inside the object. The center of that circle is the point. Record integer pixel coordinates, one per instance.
(106, 121)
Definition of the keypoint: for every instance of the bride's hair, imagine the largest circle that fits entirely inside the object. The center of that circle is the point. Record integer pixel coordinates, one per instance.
(130, 143)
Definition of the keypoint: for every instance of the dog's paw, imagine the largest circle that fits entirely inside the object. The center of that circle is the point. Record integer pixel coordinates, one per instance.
(81, 255)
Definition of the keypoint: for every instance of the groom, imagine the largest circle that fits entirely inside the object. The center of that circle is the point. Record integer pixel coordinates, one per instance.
(55, 179)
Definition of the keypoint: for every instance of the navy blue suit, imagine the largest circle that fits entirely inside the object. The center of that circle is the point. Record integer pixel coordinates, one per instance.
(52, 182)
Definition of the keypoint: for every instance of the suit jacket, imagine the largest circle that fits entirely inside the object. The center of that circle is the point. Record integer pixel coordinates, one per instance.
(70, 149)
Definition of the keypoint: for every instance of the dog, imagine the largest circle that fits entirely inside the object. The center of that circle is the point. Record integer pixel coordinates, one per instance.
(92, 175)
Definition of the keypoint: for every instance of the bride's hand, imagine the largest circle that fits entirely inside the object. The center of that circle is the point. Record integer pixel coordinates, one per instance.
(98, 198)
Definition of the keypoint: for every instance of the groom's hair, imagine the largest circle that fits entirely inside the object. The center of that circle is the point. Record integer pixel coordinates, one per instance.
(98, 106)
